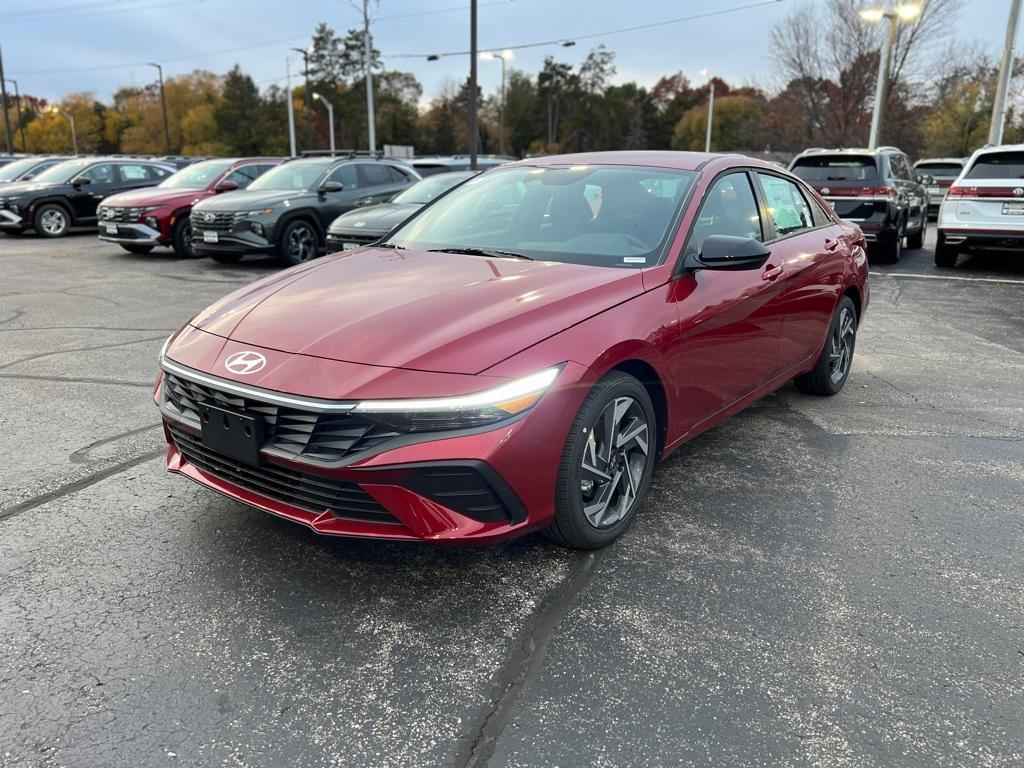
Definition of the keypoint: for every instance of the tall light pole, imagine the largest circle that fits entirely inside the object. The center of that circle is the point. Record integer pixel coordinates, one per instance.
(905, 12)
(17, 103)
(503, 57)
(71, 120)
(472, 85)
(163, 106)
(291, 105)
(330, 117)
(309, 98)
(3, 103)
(711, 109)
(371, 120)
(995, 131)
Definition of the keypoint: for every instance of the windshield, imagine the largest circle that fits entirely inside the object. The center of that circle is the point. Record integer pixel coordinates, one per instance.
(998, 165)
(296, 175)
(835, 168)
(614, 216)
(423, 192)
(939, 170)
(197, 176)
(12, 171)
(63, 172)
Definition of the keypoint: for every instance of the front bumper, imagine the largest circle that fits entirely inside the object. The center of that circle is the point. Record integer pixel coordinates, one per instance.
(460, 487)
(231, 242)
(133, 233)
(11, 220)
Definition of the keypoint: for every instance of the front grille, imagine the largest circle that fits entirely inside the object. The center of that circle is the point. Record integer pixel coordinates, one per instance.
(317, 494)
(308, 434)
(119, 214)
(218, 221)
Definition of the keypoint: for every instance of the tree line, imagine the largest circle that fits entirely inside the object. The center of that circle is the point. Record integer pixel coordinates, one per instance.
(825, 67)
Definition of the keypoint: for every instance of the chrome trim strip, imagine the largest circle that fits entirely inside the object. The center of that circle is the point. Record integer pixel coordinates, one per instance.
(266, 395)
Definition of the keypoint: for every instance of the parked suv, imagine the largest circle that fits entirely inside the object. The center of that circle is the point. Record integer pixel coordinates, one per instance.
(286, 211)
(874, 189)
(27, 168)
(68, 194)
(984, 207)
(937, 174)
(140, 220)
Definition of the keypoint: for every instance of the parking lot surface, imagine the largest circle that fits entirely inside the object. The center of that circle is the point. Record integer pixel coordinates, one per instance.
(814, 582)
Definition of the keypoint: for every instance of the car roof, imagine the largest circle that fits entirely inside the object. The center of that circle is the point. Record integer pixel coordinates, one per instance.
(958, 160)
(683, 161)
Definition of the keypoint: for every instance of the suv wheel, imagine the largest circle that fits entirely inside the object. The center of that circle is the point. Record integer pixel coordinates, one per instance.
(299, 243)
(606, 465)
(916, 240)
(945, 255)
(181, 238)
(890, 252)
(51, 220)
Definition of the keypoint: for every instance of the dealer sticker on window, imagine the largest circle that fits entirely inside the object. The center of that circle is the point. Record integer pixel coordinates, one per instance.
(634, 259)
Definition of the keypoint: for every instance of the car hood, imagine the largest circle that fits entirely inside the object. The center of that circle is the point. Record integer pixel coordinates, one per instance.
(376, 218)
(154, 196)
(441, 312)
(19, 188)
(245, 199)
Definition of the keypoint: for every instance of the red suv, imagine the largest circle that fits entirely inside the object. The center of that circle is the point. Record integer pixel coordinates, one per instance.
(144, 218)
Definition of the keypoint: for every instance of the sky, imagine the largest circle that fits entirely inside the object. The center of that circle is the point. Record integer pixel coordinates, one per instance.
(53, 47)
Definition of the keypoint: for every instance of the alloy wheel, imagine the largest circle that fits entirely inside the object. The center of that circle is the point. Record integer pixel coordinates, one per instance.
(53, 221)
(614, 460)
(301, 244)
(841, 346)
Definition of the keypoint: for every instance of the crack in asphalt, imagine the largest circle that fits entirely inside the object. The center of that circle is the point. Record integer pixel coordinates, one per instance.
(524, 664)
(76, 380)
(41, 355)
(82, 328)
(82, 454)
(6, 513)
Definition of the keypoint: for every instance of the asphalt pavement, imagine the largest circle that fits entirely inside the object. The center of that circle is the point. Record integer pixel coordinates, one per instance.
(820, 582)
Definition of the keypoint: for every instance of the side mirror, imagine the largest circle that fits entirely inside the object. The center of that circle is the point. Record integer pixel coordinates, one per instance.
(226, 186)
(80, 180)
(727, 252)
(331, 186)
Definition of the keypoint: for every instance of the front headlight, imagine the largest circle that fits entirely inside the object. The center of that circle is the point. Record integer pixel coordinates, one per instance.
(461, 412)
(261, 212)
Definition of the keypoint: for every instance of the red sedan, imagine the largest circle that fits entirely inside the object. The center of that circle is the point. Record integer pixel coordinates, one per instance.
(517, 355)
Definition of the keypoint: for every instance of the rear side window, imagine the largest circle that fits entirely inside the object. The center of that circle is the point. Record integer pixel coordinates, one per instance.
(729, 208)
(397, 177)
(786, 205)
(997, 165)
(134, 173)
(819, 168)
(900, 167)
(376, 175)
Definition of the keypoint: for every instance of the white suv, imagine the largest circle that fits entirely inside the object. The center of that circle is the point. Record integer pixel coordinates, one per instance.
(984, 207)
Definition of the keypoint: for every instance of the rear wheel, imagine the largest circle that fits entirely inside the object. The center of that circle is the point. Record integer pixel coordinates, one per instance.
(299, 243)
(916, 240)
(51, 220)
(606, 465)
(945, 256)
(137, 248)
(181, 238)
(833, 366)
(226, 258)
(890, 253)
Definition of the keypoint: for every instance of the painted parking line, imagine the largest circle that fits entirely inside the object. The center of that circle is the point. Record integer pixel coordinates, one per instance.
(948, 277)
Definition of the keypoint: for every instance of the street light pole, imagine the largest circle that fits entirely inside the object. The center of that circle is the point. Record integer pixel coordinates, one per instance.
(371, 120)
(291, 105)
(995, 131)
(163, 106)
(330, 117)
(504, 56)
(71, 120)
(904, 12)
(3, 104)
(17, 103)
(472, 86)
(711, 109)
(309, 98)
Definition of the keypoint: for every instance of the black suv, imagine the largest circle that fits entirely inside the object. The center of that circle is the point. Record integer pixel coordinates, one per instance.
(68, 194)
(286, 211)
(875, 189)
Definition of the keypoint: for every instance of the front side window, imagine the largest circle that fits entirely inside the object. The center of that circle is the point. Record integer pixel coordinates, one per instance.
(292, 176)
(592, 214)
(244, 176)
(101, 174)
(729, 208)
(346, 175)
(997, 165)
(786, 205)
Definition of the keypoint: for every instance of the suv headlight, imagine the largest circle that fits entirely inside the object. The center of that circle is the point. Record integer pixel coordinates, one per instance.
(461, 412)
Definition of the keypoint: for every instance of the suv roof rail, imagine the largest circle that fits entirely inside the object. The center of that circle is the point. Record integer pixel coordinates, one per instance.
(341, 153)
(887, 147)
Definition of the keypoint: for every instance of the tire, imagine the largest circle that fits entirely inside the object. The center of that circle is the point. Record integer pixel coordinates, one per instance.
(916, 241)
(226, 258)
(832, 368)
(891, 252)
(137, 248)
(576, 523)
(945, 256)
(299, 243)
(51, 220)
(181, 239)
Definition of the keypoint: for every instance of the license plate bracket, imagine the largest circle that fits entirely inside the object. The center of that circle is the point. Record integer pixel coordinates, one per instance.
(1013, 208)
(232, 434)
(209, 236)
(111, 229)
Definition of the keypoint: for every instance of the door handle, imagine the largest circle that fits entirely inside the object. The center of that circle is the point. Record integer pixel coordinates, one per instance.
(830, 244)
(771, 273)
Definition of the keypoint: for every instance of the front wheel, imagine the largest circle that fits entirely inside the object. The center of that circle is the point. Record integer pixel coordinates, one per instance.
(299, 244)
(833, 366)
(51, 220)
(181, 238)
(606, 465)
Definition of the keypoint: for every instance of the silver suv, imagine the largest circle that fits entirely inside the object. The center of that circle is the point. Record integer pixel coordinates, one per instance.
(938, 174)
(984, 207)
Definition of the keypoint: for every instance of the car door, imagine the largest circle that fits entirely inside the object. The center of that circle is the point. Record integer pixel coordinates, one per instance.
(811, 255)
(100, 181)
(135, 176)
(333, 204)
(727, 342)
